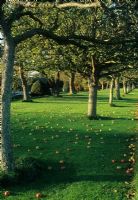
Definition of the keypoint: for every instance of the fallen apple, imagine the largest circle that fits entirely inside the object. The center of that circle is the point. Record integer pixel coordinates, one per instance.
(128, 171)
(6, 193)
(131, 169)
(38, 195)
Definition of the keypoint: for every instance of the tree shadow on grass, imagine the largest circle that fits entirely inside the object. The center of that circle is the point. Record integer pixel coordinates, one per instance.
(31, 170)
(110, 118)
(34, 173)
(80, 98)
(39, 173)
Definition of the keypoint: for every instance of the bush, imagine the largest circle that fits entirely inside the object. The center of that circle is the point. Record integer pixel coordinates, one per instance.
(36, 88)
(40, 87)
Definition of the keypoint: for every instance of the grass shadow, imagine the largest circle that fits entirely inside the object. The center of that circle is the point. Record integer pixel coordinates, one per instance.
(113, 118)
(106, 177)
(32, 170)
(109, 118)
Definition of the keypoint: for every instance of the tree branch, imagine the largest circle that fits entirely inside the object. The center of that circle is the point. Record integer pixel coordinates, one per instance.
(61, 5)
(79, 5)
(105, 42)
(116, 72)
(62, 40)
(19, 14)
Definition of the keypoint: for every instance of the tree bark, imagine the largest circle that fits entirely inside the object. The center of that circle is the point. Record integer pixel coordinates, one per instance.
(107, 84)
(93, 88)
(71, 83)
(102, 84)
(128, 87)
(92, 100)
(24, 85)
(124, 86)
(111, 92)
(57, 84)
(6, 90)
(133, 86)
(117, 88)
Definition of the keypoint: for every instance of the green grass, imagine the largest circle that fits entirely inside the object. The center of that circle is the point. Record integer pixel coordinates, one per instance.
(135, 181)
(55, 129)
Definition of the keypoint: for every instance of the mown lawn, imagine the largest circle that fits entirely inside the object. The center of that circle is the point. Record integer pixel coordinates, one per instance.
(78, 152)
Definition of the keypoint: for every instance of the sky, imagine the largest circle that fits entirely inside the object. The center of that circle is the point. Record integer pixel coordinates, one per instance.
(0, 35)
(1, 38)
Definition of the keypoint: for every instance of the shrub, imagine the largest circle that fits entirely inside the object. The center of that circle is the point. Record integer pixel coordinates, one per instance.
(36, 88)
(40, 87)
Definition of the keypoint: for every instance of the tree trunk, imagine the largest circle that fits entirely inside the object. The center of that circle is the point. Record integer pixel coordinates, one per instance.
(93, 88)
(57, 84)
(128, 87)
(71, 83)
(107, 84)
(117, 88)
(111, 92)
(24, 85)
(133, 86)
(92, 101)
(6, 90)
(102, 84)
(124, 86)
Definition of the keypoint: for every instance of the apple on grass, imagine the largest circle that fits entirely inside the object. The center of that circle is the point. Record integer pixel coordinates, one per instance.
(38, 195)
(129, 170)
(6, 193)
(122, 161)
